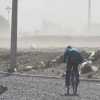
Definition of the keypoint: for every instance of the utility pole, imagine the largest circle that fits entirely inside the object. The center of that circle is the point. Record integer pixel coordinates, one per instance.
(13, 35)
(89, 14)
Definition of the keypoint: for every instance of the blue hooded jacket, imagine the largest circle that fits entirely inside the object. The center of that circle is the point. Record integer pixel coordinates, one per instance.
(72, 55)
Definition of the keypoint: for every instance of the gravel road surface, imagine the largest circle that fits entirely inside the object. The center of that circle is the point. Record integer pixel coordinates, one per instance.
(32, 88)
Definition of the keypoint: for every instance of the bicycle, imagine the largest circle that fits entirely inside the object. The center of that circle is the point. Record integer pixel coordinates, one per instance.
(73, 82)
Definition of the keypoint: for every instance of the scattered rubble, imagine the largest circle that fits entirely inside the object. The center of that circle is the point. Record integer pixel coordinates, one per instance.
(92, 54)
(97, 55)
(28, 61)
(23, 68)
(85, 54)
(96, 59)
(86, 67)
(3, 89)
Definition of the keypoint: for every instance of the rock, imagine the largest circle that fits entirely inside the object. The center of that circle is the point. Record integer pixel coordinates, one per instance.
(63, 74)
(86, 67)
(52, 70)
(89, 76)
(97, 62)
(3, 89)
(92, 54)
(15, 69)
(53, 60)
(97, 55)
(28, 67)
(56, 61)
(58, 72)
(23, 68)
(96, 58)
(60, 59)
(85, 54)
(94, 68)
(41, 64)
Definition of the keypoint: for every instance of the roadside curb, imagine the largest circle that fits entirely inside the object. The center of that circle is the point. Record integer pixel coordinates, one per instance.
(6, 74)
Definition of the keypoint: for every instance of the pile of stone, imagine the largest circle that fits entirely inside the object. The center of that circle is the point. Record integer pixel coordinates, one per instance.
(85, 54)
(87, 67)
(96, 58)
(91, 64)
(56, 61)
(97, 55)
(3, 89)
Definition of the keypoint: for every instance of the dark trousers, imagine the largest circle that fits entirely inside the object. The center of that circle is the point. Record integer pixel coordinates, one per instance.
(71, 67)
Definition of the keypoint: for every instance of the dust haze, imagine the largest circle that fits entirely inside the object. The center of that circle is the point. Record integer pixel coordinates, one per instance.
(51, 23)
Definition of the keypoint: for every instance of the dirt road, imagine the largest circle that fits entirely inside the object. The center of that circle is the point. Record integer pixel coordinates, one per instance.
(31, 88)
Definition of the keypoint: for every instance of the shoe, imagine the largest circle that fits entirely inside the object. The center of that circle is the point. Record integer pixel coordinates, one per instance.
(75, 94)
(67, 94)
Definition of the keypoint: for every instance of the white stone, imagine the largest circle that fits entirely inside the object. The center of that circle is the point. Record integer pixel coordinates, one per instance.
(94, 68)
(29, 67)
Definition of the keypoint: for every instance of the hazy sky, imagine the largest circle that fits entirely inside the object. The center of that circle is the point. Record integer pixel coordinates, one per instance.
(66, 14)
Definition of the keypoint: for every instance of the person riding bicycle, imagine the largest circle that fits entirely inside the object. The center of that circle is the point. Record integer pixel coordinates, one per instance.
(72, 58)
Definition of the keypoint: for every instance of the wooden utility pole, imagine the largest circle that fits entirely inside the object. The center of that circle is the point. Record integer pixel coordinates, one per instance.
(13, 35)
(89, 14)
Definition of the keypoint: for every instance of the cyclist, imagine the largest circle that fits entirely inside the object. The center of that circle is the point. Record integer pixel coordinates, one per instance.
(72, 58)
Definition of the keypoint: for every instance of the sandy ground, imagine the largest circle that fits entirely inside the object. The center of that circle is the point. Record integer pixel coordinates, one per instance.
(31, 88)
